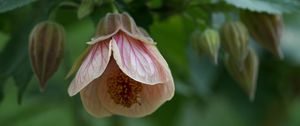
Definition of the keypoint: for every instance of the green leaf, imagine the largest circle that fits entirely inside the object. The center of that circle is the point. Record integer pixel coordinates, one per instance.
(272, 7)
(14, 57)
(7, 5)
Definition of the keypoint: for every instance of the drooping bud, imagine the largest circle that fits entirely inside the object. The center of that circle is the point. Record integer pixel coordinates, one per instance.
(46, 44)
(247, 76)
(234, 37)
(266, 29)
(208, 43)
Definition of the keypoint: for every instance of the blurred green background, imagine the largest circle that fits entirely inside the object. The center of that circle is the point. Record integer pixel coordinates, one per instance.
(206, 95)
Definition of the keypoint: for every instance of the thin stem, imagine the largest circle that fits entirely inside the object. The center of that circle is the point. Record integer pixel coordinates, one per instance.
(114, 7)
(52, 14)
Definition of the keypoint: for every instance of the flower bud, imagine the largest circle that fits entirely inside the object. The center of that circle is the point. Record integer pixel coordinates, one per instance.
(247, 76)
(234, 36)
(86, 7)
(266, 29)
(46, 44)
(208, 42)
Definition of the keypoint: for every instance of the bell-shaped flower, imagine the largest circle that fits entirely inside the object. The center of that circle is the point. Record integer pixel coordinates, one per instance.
(122, 73)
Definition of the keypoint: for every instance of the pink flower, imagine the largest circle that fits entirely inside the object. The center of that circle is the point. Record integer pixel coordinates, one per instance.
(123, 72)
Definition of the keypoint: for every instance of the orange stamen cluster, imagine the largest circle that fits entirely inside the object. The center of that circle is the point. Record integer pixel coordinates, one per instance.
(123, 90)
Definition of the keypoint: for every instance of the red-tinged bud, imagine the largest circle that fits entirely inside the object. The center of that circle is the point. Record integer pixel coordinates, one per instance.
(46, 45)
(266, 29)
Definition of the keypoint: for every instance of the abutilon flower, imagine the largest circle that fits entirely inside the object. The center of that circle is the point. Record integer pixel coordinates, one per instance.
(123, 73)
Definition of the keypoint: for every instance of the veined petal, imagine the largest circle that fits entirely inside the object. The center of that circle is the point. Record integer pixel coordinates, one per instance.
(150, 98)
(92, 67)
(137, 61)
(91, 102)
(113, 23)
(170, 81)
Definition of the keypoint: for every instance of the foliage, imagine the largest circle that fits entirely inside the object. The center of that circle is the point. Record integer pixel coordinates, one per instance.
(272, 7)
(7, 5)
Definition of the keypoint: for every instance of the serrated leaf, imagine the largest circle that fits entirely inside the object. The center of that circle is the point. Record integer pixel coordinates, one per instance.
(14, 57)
(271, 7)
(85, 8)
(7, 5)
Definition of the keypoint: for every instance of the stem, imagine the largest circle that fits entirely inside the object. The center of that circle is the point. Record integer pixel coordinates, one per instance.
(52, 14)
(114, 7)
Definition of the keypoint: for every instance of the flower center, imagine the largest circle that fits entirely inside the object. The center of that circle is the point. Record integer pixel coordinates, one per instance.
(123, 90)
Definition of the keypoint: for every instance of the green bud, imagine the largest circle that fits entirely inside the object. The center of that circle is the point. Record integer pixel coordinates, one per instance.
(246, 76)
(46, 45)
(208, 43)
(235, 37)
(86, 7)
(266, 29)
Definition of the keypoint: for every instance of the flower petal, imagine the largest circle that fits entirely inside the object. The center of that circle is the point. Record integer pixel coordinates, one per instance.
(91, 102)
(151, 97)
(92, 67)
(137, 61)
(170, 81)
(131, 29)
(113, 23)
